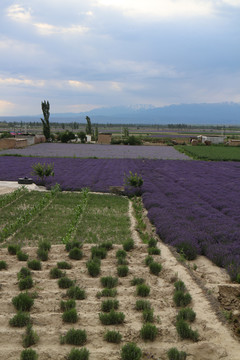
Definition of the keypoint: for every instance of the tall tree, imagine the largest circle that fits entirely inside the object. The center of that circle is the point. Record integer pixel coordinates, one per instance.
(46, 114)
(88, 126)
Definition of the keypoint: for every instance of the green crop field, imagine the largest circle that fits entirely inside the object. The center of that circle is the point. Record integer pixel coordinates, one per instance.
(211, 153)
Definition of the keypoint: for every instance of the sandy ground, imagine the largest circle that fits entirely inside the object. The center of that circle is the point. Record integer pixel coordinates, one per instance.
(216, 340)
(9, 186)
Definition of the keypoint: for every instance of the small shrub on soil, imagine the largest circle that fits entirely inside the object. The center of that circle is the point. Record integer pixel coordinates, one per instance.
(34, 264)
(13, 249)
(143, 290)
(155, 268)
(75, 354)
(75, 254)
(26, 283)
(148, 315)
(93, 268)
(113, 336)
(3, 265)
(21, 319)
(64, 265)
(22, 256)
(42, 254)
(187, 250)
(131, 351)
(29, 354)
(186, 314)
(98, 252)
(122, 270)
(74, 337)
(56, 273)
(45, 245)
(65, 282)
(152, 243)
(179, 285)
(137, 281)
(128, 244)
(185, 331)
(108, 245)
(23, 302)
(122, 261)
(107, 293)
(67, 305)
(148, 260)
(109, 282)
(72, 244)
(149, 332)
(23, 273)
(74, 292)
(30, 338)
(121, 254)
(70, 316)
(112, 318)
(108, 305)
(174, 354)
(181, 299)
(154, 251)
(142, 305)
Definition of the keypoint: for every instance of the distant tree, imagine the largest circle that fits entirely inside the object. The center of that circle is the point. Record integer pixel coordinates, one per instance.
(96, 133)
(82, 136)
(125, 132)
(89, 129)
(45, 121)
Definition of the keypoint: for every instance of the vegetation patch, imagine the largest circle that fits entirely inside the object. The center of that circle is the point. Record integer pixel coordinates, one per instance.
(112, 318)
(113, 336)
(74, 337)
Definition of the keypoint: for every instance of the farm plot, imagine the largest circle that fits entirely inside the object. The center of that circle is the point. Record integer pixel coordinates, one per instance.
(213, 153)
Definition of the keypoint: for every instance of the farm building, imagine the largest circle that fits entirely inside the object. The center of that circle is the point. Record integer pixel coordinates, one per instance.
(104, 138)
(220, 139)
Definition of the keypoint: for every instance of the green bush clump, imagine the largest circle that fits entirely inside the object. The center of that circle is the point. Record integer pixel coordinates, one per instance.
(187, 250)
(109, 282)
(23, 273)
(108, 245)
(30, 338)
(137, 281)
(108, 305)
(143, 290)
(93, 267)
(64, 265)
(142, 305)
(22, 256)
(23, 302)
(98, 252)
(29, 354)
(72, 244)
(75, 254)
(3, 265)
(56, 273)
(74, 292)
(148, 315)
(67, 305)
(26, 283)
(155, 268)
(122, 270)
(131, 351)
(174, 354)
(75, 354)
(148, 260)
(13, 249)
(128, 244)
(186, 314)
(179, 285)
(45, 245)
(21, 319)
(74, 337)
(185, 331)
(112, 318)
(70, 316)
(34, 264)
(154, 251)
(107, 293)
(113, 336)
(149, 332)
(152, 243)
(121, 254)
(65, 282)
(42, 254)
(181, 299)
(122, 261)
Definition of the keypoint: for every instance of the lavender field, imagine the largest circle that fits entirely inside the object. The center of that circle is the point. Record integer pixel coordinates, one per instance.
(195, 202)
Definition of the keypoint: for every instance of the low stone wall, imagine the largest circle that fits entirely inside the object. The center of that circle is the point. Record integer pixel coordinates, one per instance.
(20, 143)
(7, 144)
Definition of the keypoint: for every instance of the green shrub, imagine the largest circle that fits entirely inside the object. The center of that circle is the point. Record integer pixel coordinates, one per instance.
(187, 250)
(26, 283)
(64, 265)
(75, 354)
(109, 282)
(179, 285)
(143, 290)
(113, 336)
(72, 244)
(70, 316)
(152, 243)
(75, 254)
(45, 245)
(186, 314)
(93, 268)
(65, 282)
(108, 245)
(29, 354)
(122, 270)
(74, 337)
(131, 351)
(155, 268)
(22, 256)
(137, 281)
(34, 264)
(56, 273)
(98, 252)
(149, 332)
(74, 292)
(148, 260)
(30, 338)
(121, 254)
(13, 249)
(3, 265)
(23, 302)
(112, 318)
(185, 331)
(181, 299)
(154, 251)
(128, 244)
(108, 305)
(67, 305)
(107, 293)
(122, 261)
(148, 315)
(42, 254)
(21, 319)
(174, 354)
(23, 273)
(142, 305)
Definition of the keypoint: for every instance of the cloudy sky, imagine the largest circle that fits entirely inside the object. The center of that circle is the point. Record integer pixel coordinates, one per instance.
(84, 54)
